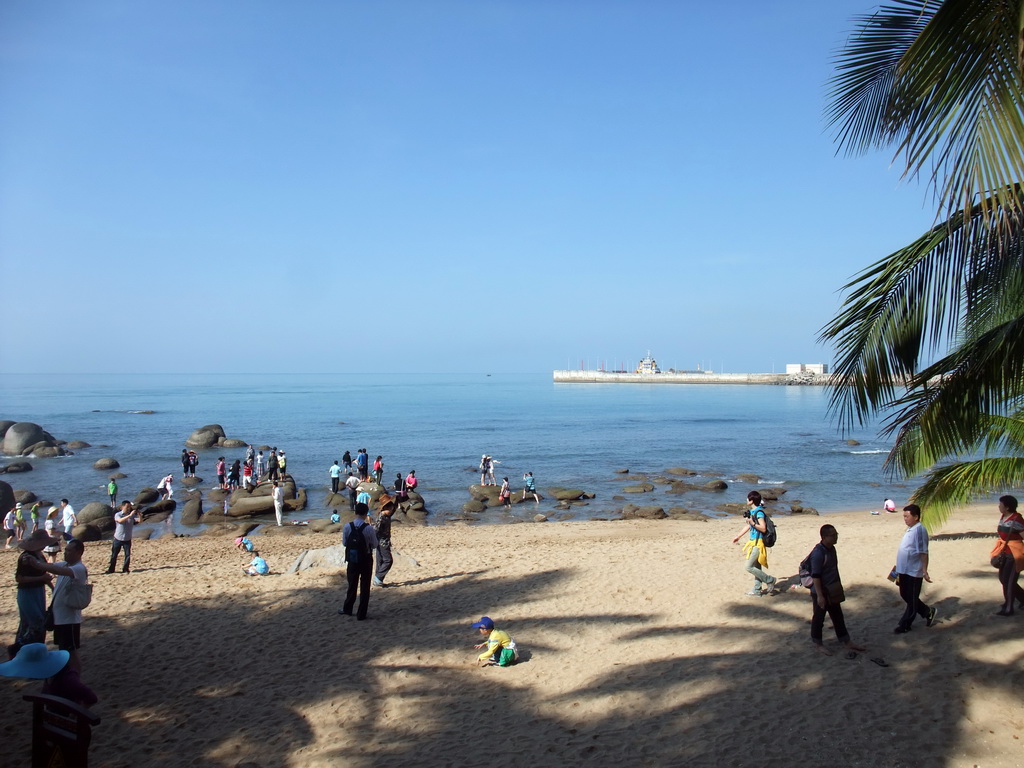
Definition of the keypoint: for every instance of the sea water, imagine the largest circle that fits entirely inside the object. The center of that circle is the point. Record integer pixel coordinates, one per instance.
(568, 435)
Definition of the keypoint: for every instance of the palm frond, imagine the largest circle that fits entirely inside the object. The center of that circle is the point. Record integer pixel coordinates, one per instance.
(942, 82)
(952, 486)
(910, 304)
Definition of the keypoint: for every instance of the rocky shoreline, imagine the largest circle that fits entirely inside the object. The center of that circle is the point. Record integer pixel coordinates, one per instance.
(215, 511)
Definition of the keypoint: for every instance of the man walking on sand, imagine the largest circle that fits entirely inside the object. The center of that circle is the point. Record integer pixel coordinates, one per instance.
(912, 570)
(384, 557)
(359, 540)
(827, 591)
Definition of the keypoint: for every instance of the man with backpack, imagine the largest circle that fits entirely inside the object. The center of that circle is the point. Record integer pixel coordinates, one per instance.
(360, 541)
(827, 590)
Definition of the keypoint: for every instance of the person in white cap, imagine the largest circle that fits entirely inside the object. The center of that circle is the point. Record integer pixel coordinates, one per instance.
(19, 520)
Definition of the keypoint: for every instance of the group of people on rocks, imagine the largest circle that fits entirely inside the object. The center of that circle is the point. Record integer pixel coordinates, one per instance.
(353, 478)
(820, 569)
(487, 463)
(252, 470)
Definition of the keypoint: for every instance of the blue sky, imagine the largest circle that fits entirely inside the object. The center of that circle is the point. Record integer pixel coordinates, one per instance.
(428, 186)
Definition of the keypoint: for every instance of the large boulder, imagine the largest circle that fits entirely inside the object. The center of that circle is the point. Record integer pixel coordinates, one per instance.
(4, 426)
(567, 494)
(146, 496)
(715, 485)
(329, 557)
(46, 452)
(299, 502)
(76, 444)
(231, 442)
(415, 503)
(217, 495)
(24, 496)
(249, 505)
(106, 464)
(320, 524)
(6, 498)
(23, 435)
(87, 532)
(643, 513)
(164, 508)
(191, 482)
(474, 506)
(193, 509)
(93, 511)
(201, 438)
(484, 493)
(206, 436)
(16, 466)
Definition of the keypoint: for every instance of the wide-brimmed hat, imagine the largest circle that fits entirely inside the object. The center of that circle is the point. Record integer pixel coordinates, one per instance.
(34, 660)
(35, 541)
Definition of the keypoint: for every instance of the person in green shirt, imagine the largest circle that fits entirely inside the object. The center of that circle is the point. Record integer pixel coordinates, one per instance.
(112, 492)
(34, 514)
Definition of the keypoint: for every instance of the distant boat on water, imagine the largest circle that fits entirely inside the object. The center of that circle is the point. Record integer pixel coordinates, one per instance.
(648, 365)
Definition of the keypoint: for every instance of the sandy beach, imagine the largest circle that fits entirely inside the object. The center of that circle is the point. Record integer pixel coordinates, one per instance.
(639, 647)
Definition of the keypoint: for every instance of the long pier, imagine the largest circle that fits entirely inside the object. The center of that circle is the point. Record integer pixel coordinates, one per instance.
(692, 377)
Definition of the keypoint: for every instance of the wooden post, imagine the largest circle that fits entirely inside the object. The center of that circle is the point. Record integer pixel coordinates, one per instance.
(61, 731)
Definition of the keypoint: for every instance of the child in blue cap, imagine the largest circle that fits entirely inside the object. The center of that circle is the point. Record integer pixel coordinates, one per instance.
(501, 648)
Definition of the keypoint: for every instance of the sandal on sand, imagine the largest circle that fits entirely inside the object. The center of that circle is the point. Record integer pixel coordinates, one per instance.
(880, 662)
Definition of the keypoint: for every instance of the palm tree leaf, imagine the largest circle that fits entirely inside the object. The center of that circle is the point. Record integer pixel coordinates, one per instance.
(950, 487)
(909, 305)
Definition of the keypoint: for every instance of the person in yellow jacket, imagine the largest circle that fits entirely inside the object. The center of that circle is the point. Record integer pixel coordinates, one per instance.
(501, 648)
(754, 550)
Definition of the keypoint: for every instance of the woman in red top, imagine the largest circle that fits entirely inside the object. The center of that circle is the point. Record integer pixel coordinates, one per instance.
(1011, 541)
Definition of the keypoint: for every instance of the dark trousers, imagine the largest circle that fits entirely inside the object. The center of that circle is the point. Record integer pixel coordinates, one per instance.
(334, 484)
(359, 578)
(1011, 589)
(384, 561)
(115, 547)
(835, 612)
(910, 592)
(352, 493)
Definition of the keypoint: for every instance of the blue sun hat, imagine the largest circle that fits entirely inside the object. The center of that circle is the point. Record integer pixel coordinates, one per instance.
(36, 661)
(484, 623)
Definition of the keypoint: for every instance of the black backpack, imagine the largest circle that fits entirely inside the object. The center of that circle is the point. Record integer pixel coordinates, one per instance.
(770, 535)
(357, 546)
